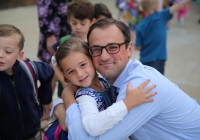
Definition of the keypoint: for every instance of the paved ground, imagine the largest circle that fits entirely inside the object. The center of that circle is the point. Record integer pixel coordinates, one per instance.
(183, 65)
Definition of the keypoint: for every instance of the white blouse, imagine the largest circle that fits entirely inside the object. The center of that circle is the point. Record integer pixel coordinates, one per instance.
(96, 123)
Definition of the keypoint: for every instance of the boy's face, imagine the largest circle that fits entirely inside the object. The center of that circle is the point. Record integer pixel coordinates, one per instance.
(80, 27)
(9, 53)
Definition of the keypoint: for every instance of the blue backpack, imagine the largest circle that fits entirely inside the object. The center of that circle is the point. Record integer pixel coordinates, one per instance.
(55, 132)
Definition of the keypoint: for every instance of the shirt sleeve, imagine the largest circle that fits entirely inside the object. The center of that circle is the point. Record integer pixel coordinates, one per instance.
(166, 15)
(45, 76)
(55, 103)
(138, 41)
(96, 123)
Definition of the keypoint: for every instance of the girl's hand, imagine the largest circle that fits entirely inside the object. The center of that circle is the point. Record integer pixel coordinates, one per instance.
(138, 96)
(68, 94)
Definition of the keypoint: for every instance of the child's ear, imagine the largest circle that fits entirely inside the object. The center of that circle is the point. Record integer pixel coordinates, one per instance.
(21, 55)
(93, 21)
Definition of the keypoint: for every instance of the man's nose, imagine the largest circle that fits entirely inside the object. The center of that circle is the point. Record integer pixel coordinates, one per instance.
(104, 54)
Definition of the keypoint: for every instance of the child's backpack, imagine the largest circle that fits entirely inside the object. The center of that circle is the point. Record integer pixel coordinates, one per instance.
(55, 132)
(31, 70)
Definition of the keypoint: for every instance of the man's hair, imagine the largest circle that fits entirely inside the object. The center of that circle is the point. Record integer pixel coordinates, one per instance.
(105, 23)
(101, 9)
(69, 46)
(7, 30)
(149, 5)
(82, 9)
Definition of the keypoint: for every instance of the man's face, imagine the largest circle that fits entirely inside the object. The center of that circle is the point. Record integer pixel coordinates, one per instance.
(110, 65)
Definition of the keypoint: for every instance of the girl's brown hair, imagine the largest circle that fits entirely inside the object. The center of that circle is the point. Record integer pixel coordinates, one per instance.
(69, 46)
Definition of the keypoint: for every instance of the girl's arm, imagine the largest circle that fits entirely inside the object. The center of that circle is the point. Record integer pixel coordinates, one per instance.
(96, 123)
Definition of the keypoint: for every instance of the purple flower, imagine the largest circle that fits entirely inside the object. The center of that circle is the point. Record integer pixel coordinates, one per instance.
(40, 2)
(57, 20)
(47, 2)
(42, 11)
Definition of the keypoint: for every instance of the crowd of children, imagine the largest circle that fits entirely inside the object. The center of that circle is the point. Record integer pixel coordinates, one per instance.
(146, 20)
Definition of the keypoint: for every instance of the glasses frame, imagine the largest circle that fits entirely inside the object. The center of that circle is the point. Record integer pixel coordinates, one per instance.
(104, 47)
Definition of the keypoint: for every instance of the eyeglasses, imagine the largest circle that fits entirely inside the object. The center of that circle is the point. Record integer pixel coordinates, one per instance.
(111, 48)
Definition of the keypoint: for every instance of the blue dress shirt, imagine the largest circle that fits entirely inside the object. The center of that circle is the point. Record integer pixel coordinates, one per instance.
(172, 116)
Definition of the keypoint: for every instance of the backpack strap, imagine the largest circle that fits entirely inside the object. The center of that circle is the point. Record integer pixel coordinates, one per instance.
(31, 70)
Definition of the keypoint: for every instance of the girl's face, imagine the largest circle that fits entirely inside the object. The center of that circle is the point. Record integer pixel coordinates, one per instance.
(78, 69)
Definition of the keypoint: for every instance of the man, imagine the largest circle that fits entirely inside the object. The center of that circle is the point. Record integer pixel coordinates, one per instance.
(173, 114)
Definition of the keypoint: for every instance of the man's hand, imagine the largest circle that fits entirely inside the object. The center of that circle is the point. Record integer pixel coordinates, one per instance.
(50, 42)
(138, 96)
(68, 95)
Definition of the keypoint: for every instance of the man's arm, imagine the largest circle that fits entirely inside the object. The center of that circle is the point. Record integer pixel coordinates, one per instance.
(126, 127)
(179, 6)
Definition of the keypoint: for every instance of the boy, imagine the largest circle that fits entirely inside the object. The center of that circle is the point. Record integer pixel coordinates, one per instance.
(151, 33)
(20, 113)
(80, 17)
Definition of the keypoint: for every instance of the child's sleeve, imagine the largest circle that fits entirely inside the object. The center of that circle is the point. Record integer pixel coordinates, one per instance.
(96, 123)
(45, 76)
(166, 15)
(138, 41)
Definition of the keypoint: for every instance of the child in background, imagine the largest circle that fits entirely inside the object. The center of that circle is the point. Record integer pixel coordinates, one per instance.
(151, 36)
(80, 17)
(181, 13)
(101, 11)
(93, 89)
(20, 114)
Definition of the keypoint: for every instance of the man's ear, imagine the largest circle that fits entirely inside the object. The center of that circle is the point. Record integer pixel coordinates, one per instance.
(20, 55)
(130, 49)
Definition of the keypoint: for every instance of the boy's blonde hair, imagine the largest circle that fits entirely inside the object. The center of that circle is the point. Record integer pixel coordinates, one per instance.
(149, 5)
(7, 30)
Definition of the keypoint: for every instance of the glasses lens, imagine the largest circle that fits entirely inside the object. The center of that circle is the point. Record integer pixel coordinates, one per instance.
(95, 51)
(112, 48)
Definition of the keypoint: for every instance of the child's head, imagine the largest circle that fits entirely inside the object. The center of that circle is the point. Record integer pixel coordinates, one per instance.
(149, 6)
(74, 61)
(80, 16)
(11, 46)
(101, 11)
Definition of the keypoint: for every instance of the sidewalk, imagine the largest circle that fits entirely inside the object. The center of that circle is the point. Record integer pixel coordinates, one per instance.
(183, 64)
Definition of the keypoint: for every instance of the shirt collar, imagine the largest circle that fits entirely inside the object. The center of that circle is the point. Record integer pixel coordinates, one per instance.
(130, 66)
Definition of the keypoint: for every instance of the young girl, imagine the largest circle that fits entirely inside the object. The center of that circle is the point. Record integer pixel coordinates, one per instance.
(74, 61)
(181, 13)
